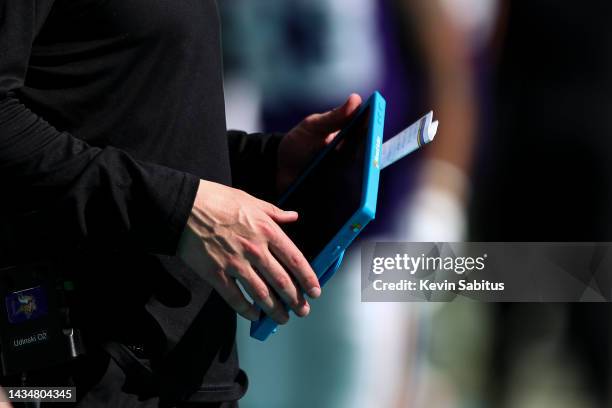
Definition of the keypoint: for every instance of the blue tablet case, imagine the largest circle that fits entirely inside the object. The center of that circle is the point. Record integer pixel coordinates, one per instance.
(329, 259)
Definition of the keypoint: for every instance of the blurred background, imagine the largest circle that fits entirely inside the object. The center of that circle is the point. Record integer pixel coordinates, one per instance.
(523, 93)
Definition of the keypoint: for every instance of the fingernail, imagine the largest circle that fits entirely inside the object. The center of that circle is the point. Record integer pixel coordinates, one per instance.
(304, 310)
(283, 318)
(314, 292)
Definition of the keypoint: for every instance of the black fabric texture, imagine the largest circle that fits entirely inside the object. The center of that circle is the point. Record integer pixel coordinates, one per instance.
(254, 162)
(110, 113)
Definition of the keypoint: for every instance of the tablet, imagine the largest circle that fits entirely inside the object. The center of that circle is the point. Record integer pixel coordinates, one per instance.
(335, 196)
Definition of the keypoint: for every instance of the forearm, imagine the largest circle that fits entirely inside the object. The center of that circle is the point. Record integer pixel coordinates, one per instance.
(56, 185)
(71, 192)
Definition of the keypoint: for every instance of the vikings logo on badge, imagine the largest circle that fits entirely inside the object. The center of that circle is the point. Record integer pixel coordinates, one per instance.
(27, 305)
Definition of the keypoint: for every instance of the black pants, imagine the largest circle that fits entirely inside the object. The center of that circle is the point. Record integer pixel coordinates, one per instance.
(99, 383)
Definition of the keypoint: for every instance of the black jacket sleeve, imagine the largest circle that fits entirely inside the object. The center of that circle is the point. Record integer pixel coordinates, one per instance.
(254, 160)
(70, 190)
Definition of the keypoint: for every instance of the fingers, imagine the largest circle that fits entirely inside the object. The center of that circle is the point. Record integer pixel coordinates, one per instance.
(329, 138)
(289, 255)
(278, 215)
(334, 119)
(261, 294)
(285, 250)
(231, 293)
(351, 105)
(281, 281)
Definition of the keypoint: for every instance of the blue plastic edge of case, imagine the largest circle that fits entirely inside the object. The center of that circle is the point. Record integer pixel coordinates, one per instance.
(328, 261)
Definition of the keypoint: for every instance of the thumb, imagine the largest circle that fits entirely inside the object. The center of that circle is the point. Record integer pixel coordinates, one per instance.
(278, 215)
(336, 118)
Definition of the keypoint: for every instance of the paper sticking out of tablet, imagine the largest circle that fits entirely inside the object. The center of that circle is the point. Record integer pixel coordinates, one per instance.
(408, 140)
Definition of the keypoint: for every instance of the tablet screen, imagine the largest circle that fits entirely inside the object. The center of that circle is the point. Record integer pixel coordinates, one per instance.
(331, 192)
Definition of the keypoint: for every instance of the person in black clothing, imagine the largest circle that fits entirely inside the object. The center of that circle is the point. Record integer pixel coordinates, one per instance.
(115, 164)
(546, 176)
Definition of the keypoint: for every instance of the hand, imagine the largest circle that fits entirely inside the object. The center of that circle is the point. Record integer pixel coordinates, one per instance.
(303, 142)
(232, 236)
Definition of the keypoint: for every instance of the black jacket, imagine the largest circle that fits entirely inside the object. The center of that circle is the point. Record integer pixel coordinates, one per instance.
(110, 112)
